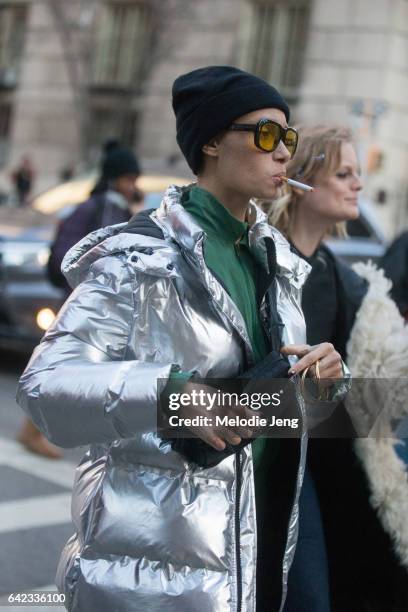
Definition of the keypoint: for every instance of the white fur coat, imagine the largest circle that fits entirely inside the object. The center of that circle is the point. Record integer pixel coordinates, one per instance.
(378, 349)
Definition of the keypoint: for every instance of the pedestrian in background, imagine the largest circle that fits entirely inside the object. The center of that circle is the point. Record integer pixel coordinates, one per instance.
(395, 265)
(365, 571)
(67, 173)
(114, 199)
(23, 179)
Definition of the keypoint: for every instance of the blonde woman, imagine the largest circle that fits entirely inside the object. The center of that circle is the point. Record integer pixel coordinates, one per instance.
(364, 573)
(327, 160)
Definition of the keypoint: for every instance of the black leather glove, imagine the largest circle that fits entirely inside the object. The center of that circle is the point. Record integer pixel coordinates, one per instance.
(274, 365)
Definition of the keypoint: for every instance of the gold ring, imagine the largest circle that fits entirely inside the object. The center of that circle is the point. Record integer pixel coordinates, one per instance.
(302, 380)
(304, 374)
(317, 369)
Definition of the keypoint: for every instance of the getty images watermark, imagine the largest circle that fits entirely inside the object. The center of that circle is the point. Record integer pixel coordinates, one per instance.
(284, 408)
(217, 405)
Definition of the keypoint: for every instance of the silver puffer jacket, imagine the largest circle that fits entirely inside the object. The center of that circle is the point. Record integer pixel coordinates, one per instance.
(153, 532)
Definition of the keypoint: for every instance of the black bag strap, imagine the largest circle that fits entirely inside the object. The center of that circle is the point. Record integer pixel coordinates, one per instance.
(142, 224)
(269, 289)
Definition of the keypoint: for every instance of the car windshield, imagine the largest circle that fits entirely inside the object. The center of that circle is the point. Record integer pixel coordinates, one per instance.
(76, 191)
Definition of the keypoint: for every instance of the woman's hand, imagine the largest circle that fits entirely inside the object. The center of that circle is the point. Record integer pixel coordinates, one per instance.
(330, 362)
(216, 435)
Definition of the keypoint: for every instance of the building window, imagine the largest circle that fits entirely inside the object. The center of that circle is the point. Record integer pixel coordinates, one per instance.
(122, 38)
(5, 122)
(274, 34)
(108, 123)
(12, 30)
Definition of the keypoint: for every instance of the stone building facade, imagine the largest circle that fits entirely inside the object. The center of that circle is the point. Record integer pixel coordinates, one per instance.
(73, 74)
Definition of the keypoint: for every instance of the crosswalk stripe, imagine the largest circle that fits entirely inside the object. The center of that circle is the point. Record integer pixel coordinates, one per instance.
(14, 455)
(33, 512)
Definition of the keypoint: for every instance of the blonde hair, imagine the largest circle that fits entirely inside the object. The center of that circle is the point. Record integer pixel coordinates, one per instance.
(319, 150)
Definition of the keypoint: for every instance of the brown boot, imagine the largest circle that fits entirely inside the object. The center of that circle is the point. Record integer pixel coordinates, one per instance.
(33, 440)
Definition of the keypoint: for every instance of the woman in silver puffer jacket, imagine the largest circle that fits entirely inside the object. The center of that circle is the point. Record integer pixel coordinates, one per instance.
(154, 531)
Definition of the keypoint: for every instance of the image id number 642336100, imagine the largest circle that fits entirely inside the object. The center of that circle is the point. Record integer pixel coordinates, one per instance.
(36, 598)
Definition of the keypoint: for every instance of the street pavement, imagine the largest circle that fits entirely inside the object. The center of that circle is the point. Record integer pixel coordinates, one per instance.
(35, 498)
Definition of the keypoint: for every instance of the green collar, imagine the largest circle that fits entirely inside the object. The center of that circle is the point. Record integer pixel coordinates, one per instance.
(213, 217)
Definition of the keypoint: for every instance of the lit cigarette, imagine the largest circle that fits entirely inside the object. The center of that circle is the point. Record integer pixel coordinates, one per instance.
(297, 184)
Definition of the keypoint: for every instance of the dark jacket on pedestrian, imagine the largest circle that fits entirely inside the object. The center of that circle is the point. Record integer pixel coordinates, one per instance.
(331, 298)
(395, 266)
(101, 210)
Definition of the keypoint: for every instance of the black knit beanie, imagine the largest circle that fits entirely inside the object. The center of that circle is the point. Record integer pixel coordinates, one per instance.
(208, 100)
(119, 162)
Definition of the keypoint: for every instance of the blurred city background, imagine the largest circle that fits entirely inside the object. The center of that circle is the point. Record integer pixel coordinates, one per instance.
(74, 74)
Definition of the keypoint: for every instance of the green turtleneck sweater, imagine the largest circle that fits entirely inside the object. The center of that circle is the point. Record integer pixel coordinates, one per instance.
(227, 255)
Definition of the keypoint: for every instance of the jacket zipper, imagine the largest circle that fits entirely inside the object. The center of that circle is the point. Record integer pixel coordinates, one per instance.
(238, 531)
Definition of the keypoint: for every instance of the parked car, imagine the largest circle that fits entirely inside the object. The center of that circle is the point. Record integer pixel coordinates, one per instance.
(28, 301)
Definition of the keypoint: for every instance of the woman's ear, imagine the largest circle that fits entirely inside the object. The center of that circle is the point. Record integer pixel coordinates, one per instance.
(212, 147)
